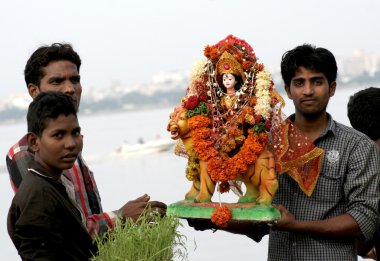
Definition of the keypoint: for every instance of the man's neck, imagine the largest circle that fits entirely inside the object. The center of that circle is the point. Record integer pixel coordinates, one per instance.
(312, 127)
(377, 142)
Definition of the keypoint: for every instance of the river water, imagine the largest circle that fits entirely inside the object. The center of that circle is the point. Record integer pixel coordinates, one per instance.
(161, 175)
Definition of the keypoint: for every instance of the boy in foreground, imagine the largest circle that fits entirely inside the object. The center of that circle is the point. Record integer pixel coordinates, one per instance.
(43, 222)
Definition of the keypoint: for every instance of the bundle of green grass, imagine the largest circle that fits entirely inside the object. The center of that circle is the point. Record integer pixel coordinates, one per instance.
(144, 240)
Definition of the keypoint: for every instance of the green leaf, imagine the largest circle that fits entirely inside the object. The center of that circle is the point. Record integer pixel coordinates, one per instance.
(259, 128)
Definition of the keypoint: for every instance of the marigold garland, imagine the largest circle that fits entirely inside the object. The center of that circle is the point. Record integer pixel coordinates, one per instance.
(221, 215)
(222, 167)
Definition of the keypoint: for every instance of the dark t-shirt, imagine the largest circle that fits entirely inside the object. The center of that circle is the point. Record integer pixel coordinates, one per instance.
(43, 223)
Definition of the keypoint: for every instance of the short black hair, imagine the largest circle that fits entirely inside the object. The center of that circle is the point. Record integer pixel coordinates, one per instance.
(33, 71)
(310, 57)
(363, 110)
(48, 105)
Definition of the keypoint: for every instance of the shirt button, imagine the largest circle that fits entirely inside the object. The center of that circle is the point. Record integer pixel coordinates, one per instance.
(294, 244)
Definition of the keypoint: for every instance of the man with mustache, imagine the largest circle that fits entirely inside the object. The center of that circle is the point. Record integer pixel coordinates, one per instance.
(56, 68)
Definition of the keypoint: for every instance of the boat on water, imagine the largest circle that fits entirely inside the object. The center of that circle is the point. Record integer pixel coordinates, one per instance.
(154, 146)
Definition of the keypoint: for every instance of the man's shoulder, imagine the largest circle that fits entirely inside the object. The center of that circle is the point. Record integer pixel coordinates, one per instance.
(353, 138)
(342, 129)
(21, 145)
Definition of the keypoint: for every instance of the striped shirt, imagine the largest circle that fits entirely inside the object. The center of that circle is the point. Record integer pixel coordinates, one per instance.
(348, 184)
(79, 182)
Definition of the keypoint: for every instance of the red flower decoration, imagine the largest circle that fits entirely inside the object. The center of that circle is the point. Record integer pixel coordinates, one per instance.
(267, 125)
(191, 103)
(258, 118)
(203, 97)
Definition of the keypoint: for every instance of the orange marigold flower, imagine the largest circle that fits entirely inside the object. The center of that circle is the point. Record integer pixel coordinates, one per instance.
(206, 152)
(198, 121)
(209, 153)
(263, 138)
(221, 215)
(239, 164)
(216, 167)
(253, 101)
(214, 54)
(202, 144)
(234, 131)
(201, 133)
(207, 50)
(246, 65)
(248, 118)
(259, 66)
(231, 170)
(248, 109)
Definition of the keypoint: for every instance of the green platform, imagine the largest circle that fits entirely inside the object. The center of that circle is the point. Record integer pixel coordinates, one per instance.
(240, 211)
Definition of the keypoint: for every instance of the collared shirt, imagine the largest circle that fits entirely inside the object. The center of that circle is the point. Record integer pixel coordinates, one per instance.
(81, 187)
(43, 223)
(348, 184)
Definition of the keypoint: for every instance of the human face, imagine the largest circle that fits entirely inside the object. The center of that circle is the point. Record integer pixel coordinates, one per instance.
(229, 80)
(59, 145)
(310, 92)
(60, 76)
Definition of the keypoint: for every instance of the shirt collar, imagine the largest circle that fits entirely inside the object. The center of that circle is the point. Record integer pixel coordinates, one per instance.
(39, 170)
(331, 125)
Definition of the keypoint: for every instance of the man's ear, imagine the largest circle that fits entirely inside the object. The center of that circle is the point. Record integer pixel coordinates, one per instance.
(332, 88)
(33, 90)
(32, 141)
(287, 89)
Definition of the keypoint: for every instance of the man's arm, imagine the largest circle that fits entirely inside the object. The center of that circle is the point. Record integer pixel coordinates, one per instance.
(133, 209)
(99, 222)
(339, 226)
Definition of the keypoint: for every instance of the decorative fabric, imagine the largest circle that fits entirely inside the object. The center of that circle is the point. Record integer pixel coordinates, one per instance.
(295, 154)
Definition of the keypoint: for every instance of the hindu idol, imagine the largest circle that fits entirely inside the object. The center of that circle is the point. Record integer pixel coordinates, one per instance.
(225, 123)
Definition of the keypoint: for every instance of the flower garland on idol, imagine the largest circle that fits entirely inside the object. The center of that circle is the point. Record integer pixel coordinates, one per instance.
(229, 139)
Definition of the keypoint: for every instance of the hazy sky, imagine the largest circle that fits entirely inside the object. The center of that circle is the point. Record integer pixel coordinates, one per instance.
(130, 41)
